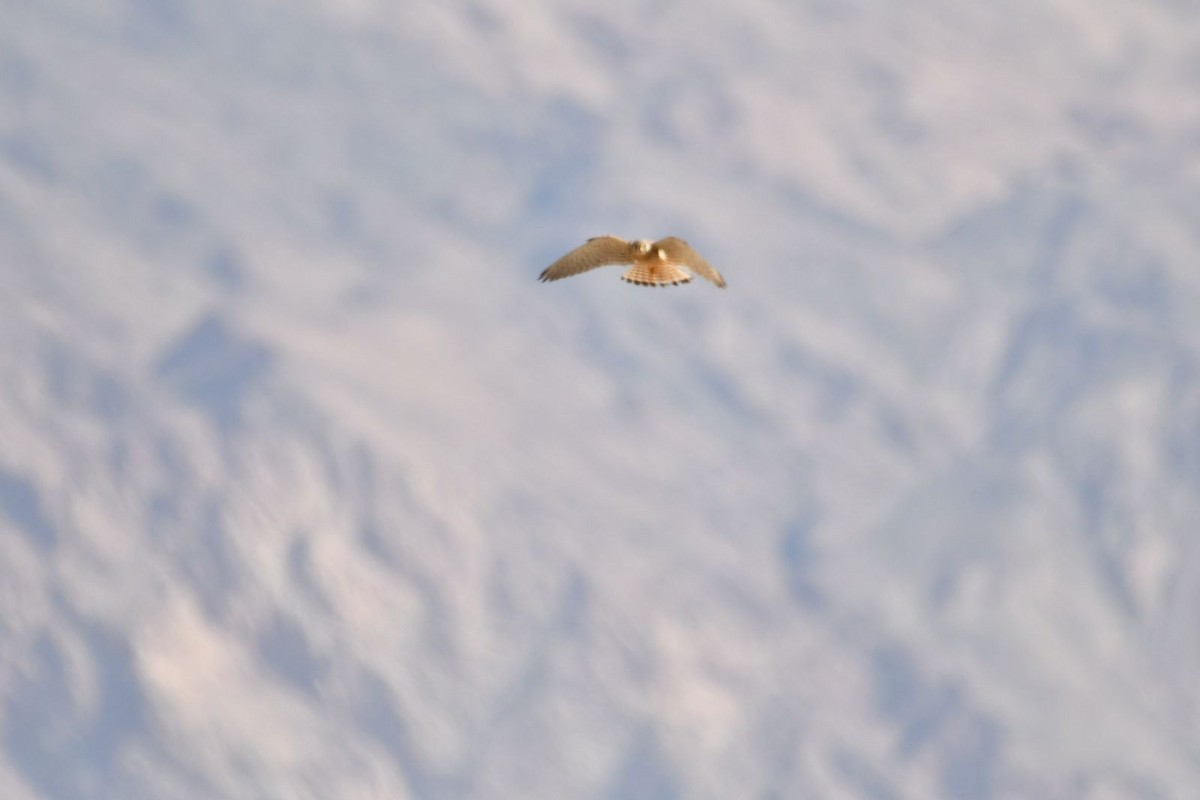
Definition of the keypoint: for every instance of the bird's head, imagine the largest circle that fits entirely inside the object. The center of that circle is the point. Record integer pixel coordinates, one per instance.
(643, 246)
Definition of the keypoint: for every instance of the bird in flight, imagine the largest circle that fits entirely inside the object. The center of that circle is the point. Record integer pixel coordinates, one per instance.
(667, 262)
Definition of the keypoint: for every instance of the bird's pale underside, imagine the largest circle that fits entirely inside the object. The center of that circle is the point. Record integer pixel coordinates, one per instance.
(667, 262)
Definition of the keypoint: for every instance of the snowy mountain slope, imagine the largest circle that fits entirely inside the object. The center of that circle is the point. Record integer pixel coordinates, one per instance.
(307, 489)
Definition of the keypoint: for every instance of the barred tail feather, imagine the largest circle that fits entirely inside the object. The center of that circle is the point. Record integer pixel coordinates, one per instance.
(656, 274)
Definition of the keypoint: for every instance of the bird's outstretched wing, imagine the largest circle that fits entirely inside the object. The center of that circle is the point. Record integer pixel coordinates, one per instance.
(680, 252)
(596, 252)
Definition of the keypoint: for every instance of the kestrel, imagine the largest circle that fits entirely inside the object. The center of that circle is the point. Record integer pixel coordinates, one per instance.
(660, 263)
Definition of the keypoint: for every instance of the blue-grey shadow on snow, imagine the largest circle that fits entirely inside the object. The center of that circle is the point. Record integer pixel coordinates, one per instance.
(800, 561)
(646, 773)
(21, 503)
(214, 368)
(66, 745)
(936, 715)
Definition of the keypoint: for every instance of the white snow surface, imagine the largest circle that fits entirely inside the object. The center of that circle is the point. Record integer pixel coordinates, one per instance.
(309, 489)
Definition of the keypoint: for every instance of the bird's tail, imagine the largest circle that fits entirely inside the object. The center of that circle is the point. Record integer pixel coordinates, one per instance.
(656, 274)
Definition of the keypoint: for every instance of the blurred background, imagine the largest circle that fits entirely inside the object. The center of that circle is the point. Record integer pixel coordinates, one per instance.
(308, 489)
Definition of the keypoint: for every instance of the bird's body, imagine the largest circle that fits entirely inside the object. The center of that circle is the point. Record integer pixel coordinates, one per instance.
(667, 262)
